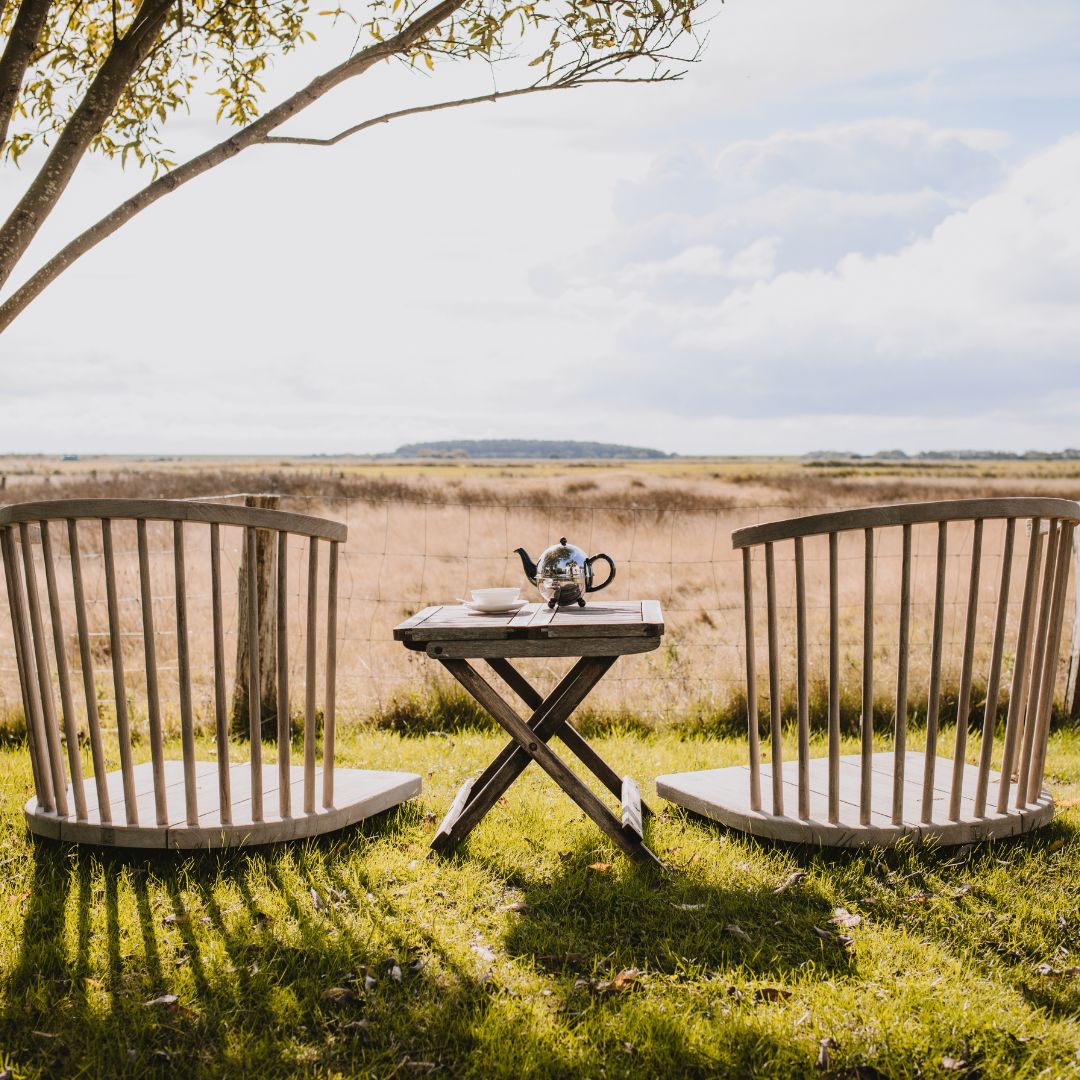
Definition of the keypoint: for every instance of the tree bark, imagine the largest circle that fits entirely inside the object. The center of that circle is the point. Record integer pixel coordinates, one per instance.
(251, 135)
(87, 121)
(25, 32)
(261, 637)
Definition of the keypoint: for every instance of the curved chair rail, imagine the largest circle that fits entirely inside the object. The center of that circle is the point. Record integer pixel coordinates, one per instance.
(163, 803)
(847, 800)
(207, 513)
(917, 513)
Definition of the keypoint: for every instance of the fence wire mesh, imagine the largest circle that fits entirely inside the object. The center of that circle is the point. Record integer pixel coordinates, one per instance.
(401, 556)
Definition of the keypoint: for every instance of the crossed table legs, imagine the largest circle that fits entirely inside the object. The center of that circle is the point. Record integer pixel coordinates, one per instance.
(529, 742)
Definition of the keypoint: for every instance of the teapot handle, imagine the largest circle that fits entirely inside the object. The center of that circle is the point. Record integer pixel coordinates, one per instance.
(590, 587)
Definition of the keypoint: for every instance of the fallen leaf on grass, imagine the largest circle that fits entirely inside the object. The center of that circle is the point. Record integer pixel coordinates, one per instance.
(953, 1064)
(689, 907)
(357, 1025)
(792, 879)
(395, 972)
(737, 931)
(168, 1000)
(1050, 972)
(840, 940)
(824, 1047)
(846, 919)
(618, 985)
(172, 919)
(485, 952)
(517, 905)
(369, 982)
(318, 901)
(600, 867)
(918, 898)
(1056, 845)
(337, 995)
(771, 993)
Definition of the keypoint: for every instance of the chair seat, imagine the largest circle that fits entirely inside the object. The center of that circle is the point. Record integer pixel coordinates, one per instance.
(724, 796)
(358, 794)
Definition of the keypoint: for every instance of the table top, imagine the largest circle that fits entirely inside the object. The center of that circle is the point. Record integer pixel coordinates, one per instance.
(598, 629)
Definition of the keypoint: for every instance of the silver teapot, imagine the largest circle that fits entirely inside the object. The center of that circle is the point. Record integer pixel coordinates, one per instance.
(564, 573)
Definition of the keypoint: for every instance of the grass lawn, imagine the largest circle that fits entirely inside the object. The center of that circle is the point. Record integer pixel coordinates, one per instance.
(537, 950)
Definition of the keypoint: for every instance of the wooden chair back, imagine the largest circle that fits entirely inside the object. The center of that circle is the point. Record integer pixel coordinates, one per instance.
(1033, 634)
(78, 530)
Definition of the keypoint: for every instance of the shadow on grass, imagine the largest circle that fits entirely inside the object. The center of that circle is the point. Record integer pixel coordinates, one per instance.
(998, 904)
(269, 955)
(595, 919)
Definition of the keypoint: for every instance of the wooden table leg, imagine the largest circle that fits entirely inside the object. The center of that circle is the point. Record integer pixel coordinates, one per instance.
(512, 761)
(452, 829)
(568, 733)
(541, 710)
(546, 758)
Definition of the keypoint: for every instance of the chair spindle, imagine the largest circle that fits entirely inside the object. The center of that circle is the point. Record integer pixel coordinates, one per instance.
(221, 714)
(902, 661)
(834, 677)
(1037, 651)
(963, 701)
(933, 701)
(802, 685)
(254, 681)
(309, 676)
(93, 718)
(153, 703)
(775, 725)
(41, 660)
(993, 681)
(35, 730)
(331, 677)
(867, 748)
(63, 676)
(183, 666)
(751, 684)
(284, 733)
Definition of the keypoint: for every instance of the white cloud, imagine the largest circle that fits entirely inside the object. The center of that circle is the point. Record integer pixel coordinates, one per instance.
(669, 258)
(981, 315)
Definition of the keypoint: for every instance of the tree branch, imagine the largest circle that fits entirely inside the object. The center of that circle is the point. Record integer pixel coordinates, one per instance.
(496, 95)
(16, 58)
(254, 133)
(86, 121)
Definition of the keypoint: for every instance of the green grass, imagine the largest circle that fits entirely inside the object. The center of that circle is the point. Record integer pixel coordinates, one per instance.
(504, 949)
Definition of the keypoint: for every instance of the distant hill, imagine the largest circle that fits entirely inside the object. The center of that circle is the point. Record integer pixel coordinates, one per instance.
(523, 448)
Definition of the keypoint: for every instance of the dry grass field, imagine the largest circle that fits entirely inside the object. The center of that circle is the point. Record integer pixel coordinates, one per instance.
(425, 532)
(536, 950)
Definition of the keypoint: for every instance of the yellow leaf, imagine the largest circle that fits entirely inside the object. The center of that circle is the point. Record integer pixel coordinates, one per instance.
(428, 61)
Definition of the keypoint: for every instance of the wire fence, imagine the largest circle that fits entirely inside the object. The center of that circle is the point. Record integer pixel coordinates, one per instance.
(401, 556)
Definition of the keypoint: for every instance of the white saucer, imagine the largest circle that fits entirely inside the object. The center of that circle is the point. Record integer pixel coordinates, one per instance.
(508, 609)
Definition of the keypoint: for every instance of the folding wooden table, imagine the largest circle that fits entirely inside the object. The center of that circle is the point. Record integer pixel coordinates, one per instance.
(597, 635)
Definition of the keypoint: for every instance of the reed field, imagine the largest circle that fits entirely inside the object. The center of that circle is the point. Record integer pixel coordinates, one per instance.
(426, 532)
(536, 949)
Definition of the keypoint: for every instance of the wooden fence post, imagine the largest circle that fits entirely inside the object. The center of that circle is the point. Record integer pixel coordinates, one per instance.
(265, 558)
(1072, 686)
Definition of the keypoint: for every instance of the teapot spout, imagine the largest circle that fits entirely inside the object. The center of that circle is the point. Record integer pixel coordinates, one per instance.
(527, 563)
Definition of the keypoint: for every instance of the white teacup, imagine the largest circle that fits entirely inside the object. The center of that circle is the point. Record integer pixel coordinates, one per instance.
(495, 597)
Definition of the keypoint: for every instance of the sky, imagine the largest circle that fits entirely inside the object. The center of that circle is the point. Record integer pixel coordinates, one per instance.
(851, 226)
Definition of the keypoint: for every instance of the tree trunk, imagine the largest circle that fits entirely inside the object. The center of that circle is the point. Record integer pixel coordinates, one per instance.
(86, 121)
(36, 205)
(265, 562)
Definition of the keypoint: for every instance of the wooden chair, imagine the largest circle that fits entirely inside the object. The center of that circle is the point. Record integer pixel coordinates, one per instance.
(170, 803)
(876, 798)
